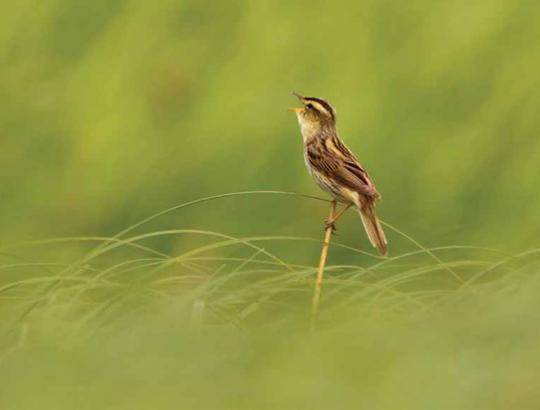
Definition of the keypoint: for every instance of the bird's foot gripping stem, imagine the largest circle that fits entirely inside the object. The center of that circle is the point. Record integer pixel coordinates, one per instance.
(330, 224)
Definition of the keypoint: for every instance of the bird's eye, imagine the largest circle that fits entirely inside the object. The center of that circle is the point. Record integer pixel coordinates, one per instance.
(310, 106)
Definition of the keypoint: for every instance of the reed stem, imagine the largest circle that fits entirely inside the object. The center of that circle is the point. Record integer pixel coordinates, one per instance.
(320, 272)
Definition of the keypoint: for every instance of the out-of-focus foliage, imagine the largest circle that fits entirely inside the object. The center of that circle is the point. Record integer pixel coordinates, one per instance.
(111, 111)
(480, 353)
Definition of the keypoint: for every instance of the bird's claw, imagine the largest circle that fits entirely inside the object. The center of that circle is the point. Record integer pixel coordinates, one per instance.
(330, 224)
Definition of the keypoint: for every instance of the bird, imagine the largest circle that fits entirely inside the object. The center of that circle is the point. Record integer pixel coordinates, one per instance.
(336, 169)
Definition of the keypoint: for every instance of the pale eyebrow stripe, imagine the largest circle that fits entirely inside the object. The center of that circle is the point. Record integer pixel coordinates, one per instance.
(321, 104)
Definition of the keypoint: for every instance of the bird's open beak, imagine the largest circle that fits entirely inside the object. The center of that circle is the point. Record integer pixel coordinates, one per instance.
(301, 98)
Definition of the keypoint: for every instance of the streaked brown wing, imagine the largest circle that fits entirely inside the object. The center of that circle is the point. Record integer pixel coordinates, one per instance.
(342, 168)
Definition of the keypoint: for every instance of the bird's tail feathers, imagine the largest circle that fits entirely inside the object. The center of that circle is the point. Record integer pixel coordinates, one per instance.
(373, 227)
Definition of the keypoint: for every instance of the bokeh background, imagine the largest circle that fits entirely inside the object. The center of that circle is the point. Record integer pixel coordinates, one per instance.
(111, 111)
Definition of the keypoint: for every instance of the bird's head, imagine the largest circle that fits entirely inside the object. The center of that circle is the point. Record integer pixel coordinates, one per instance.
(314, 115)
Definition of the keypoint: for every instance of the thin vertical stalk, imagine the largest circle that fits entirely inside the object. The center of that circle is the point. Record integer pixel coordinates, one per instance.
(320, 272)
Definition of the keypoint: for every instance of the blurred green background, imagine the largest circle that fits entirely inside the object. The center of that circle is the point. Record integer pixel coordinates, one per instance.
(111, 111)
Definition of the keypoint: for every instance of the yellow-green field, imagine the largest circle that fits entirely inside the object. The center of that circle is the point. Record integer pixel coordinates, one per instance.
(159, 234)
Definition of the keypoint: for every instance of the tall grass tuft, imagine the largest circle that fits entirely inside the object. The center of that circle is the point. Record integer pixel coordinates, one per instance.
(135, 324)
(237, 280)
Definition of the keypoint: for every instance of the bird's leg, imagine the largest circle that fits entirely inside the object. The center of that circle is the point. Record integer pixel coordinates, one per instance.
(331, 222)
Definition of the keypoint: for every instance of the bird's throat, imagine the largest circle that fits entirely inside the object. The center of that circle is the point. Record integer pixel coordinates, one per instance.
(309, 129)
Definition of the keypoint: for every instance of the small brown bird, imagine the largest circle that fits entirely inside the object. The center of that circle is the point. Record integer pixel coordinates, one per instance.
(335, 168)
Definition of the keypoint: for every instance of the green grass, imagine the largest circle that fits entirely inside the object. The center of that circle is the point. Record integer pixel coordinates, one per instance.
(110, 111)
(224, 324)
(229, 271)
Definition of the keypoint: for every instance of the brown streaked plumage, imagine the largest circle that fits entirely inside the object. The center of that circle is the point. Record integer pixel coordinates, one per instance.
(335, 168)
